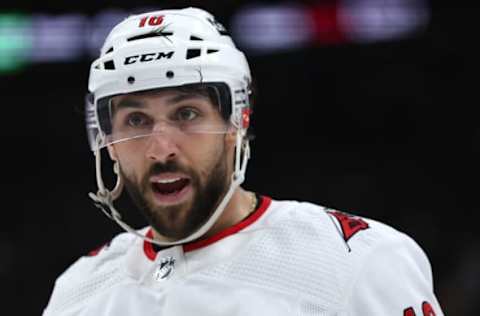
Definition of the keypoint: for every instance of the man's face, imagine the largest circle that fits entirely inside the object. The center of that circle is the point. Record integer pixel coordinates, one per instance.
(178, 174)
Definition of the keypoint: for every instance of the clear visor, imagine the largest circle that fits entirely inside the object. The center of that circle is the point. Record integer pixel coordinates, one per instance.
(179, 112)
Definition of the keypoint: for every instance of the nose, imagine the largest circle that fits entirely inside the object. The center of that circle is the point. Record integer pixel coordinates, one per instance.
(161, 147)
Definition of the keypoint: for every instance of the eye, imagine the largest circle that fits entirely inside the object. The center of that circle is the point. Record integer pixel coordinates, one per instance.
(137, 119)
(186, 114)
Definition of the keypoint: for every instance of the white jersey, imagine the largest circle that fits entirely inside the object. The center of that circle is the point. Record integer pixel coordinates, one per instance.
(287, 258)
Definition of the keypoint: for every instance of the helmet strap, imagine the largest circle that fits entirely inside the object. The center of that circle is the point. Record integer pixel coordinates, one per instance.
(104, 198)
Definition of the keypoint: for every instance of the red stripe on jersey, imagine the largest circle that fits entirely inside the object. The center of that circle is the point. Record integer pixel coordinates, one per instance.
(265, 203)
(147, 246)
(231, 230)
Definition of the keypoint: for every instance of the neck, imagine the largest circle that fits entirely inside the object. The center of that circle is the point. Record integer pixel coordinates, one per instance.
(238, 208)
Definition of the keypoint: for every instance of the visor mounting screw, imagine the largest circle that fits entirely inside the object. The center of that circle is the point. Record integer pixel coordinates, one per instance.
(131, 80)
(170, 74)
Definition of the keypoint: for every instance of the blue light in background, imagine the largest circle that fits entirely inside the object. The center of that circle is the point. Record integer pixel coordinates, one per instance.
(262, 28)
(58, 38)
(366, 21)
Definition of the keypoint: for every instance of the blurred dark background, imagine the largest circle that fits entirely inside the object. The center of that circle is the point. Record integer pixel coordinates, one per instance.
(366, 106)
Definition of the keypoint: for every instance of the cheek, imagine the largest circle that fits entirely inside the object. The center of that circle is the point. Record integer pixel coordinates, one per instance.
(130, 160)
(209, 152)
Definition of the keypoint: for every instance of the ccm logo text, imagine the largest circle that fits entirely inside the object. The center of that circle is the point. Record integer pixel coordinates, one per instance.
(147, 57)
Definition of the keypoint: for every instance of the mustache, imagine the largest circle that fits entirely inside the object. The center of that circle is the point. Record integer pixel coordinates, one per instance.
(170, 166)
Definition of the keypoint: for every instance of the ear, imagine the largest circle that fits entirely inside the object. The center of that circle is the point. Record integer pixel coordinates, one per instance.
(112, 152)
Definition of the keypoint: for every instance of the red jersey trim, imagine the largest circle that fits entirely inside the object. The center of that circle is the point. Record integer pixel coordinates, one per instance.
(265, 203)
(147, 246)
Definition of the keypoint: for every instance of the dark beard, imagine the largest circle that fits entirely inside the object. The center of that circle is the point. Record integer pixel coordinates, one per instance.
(204, 202)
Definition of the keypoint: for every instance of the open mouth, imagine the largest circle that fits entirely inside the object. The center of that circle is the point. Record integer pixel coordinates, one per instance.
(170, 186)
(170, 190)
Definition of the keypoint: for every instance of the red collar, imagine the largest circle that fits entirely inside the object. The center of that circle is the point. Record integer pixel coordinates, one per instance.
(264, 204)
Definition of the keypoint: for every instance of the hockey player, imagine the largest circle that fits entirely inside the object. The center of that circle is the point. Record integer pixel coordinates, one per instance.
(170, 102)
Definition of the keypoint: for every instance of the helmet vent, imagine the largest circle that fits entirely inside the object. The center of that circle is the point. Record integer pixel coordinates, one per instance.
(149, 35)
(195, 38)
(109, 65)
(211, 51)
(109, 50)
(192, 53)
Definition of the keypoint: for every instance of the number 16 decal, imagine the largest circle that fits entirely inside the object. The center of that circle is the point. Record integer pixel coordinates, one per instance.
(152, 20)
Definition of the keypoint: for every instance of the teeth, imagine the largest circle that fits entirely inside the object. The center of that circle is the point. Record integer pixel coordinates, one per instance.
(168, 180)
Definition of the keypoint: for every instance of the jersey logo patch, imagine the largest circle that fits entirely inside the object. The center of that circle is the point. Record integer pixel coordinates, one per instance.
(164, 269)
(350, 225)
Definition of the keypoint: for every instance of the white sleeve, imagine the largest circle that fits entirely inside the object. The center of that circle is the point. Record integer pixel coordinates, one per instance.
(395, 279)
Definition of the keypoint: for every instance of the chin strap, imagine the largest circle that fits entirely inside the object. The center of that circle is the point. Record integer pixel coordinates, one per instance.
(104, 198)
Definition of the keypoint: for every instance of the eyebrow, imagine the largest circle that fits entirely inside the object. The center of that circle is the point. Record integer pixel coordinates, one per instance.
(127, 103)
(182, 97)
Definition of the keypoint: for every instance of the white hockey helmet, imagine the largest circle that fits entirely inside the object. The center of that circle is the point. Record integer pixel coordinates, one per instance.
(165, 49)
